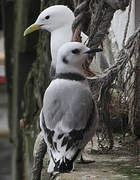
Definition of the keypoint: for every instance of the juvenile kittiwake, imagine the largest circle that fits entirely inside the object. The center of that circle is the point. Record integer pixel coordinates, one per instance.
(58, 21)
(69, 116)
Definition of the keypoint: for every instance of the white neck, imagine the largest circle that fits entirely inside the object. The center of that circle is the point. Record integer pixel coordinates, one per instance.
(67, 68)
(58, 38)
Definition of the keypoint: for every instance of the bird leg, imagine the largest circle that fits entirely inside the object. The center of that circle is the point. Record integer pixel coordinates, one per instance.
(85, 161)
(54, 176)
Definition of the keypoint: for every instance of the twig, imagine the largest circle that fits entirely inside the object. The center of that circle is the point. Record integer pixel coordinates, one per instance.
(127, 24)
(40, 149)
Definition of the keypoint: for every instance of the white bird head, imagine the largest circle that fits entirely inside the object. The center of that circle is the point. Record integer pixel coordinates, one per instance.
(51, 19)
(72, 55)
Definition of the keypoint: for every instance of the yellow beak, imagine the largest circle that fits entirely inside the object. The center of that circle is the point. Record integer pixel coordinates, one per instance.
(31, 28)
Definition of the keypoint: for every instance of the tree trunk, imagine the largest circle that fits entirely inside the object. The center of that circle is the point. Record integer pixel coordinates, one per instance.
(136, 110)
(24, 54)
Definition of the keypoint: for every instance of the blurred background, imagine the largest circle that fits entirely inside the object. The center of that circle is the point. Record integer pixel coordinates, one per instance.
(11, 105)
(5, 145)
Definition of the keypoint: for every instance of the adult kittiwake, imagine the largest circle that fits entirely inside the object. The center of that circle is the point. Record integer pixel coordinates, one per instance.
(58, 21)
(69, 116)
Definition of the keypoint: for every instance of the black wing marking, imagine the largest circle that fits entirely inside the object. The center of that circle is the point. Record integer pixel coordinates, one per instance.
(71, 140)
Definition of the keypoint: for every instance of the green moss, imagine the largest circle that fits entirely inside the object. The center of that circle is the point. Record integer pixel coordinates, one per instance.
(130, 170)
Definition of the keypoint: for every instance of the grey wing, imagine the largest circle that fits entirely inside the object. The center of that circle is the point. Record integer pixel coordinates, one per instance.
(67, 122)
(65, 111)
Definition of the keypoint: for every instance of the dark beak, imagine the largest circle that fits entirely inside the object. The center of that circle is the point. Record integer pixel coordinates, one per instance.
(93, 50)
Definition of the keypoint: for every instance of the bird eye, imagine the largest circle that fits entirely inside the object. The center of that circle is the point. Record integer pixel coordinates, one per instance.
(65, 60)
(75, 51)
(47, 17)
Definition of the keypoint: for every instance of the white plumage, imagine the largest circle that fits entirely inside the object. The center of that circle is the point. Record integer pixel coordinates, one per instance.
(69, 115)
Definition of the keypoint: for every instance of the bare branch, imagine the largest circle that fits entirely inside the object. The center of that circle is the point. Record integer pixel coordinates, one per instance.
(118, 4)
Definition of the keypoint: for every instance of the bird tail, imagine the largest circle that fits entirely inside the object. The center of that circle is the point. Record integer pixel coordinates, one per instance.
(63, 165)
